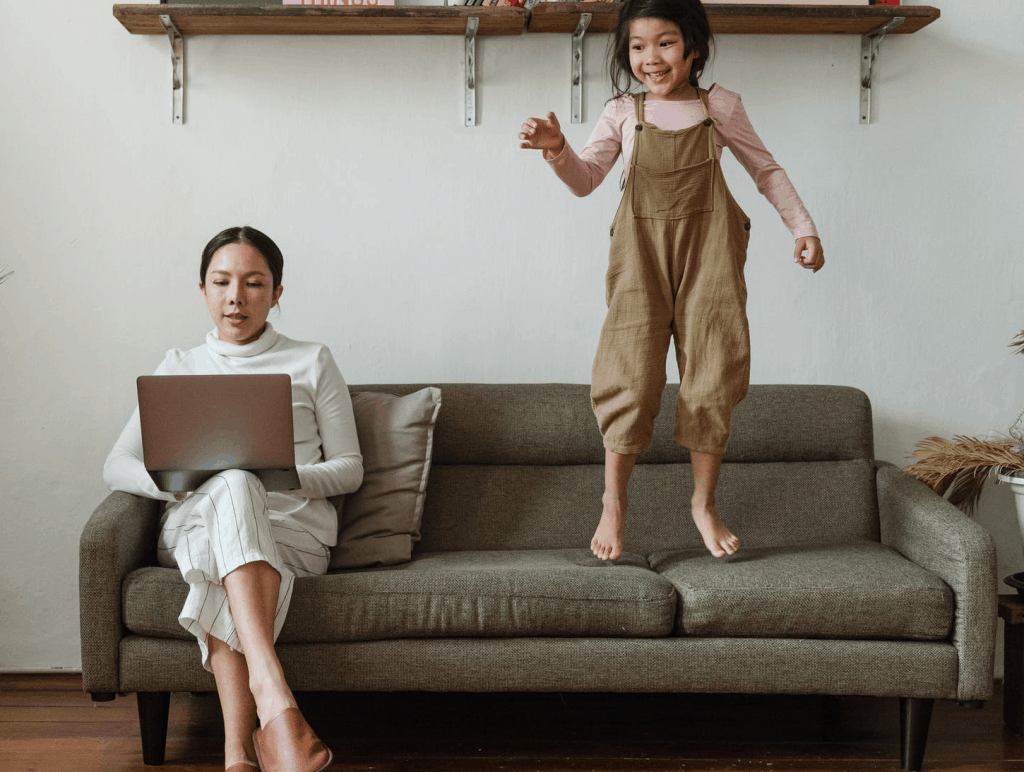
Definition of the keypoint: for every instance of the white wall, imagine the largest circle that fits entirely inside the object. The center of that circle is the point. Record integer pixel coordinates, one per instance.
(421, 250)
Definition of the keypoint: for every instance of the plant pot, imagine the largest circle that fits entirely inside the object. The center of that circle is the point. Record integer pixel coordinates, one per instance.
(1016, 481)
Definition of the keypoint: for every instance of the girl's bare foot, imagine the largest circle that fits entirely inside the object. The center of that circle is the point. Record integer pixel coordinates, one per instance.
(607, 541)
(719, 540)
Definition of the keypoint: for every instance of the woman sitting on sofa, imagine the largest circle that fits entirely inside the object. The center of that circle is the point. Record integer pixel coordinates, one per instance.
(238, 546)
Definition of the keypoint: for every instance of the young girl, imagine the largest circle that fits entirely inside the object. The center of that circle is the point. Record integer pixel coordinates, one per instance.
(678, 246)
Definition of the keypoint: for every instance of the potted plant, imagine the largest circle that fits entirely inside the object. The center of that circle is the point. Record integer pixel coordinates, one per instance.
(962, 465)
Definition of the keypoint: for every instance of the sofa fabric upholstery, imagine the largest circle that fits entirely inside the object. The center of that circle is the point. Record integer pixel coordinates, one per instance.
(829, 591)
(851, 578)
(670, 664)
(449, 595)
(936, 536)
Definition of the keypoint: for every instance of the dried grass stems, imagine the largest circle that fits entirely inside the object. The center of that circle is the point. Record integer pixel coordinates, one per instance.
(962, 465)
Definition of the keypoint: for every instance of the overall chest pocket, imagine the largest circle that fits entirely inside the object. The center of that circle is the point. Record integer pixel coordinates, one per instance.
(675, 194)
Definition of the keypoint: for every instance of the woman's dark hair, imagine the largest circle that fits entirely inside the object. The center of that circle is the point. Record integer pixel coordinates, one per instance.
(245, 234)
(688, 15)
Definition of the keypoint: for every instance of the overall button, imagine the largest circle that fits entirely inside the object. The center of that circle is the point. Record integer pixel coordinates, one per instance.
(746, 225)
(708, 122)
(639, 127)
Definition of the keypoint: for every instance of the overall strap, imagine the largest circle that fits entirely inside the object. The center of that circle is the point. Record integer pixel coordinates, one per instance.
(709, 122)
(704, 101)
(638, 106)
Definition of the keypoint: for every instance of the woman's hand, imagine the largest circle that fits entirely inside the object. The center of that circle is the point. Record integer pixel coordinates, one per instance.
(542, 134)
(815, 257)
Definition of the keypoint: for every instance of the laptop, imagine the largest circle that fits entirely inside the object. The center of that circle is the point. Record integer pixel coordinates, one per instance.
(194, 426)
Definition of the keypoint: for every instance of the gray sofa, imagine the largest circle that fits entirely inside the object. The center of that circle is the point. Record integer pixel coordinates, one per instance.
(852, 578)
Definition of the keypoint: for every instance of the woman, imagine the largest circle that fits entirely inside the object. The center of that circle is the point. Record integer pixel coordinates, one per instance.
(238, 546)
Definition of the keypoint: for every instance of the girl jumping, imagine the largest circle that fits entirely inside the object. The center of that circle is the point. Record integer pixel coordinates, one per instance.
(678, 247)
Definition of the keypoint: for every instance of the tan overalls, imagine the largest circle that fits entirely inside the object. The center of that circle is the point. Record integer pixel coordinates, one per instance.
(678, 246)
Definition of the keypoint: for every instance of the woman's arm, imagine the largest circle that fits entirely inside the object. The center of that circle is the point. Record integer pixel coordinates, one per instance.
(125, 470)
(341, 471)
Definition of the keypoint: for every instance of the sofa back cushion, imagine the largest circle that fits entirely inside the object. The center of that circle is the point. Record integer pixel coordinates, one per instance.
(520, 466)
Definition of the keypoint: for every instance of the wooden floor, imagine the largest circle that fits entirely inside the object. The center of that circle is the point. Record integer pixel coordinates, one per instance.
(48, 725)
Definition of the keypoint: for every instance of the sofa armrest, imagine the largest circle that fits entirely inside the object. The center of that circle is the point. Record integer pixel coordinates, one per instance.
(119, 537)
(936, 535)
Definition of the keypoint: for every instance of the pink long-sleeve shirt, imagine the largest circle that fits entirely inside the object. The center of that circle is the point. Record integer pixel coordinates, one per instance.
(616, 130)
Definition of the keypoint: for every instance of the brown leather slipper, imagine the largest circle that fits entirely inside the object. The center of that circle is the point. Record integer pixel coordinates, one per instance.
(288, 744)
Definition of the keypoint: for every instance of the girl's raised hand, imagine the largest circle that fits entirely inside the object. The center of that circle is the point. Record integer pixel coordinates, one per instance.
(542, 134)
(815, 255)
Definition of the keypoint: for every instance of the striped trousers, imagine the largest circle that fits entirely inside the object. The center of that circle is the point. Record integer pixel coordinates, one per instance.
(223, 525)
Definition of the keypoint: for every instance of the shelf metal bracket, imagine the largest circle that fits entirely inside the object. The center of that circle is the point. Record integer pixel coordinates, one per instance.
(178, 64)
(577, 67)
(869, 44)
(472, 25)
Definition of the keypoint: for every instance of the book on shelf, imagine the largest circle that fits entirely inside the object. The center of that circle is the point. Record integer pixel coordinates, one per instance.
(337, 2)
(793, 2)
(489, 3)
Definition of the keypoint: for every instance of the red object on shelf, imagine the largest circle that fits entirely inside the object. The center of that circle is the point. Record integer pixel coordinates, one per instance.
(887, 2)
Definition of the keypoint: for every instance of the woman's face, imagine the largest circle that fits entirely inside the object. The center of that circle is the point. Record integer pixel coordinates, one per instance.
(239, 292)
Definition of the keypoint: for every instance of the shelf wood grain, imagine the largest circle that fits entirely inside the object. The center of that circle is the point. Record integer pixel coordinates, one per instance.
(142, 19)
(319, 20)
(750, 19)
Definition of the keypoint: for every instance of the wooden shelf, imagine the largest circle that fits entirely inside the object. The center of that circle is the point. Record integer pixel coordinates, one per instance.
(545, 17)
(750, 19)
(319, 20)
(178, 22)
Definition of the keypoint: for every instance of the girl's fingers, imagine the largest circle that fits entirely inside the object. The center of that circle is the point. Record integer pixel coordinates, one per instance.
(809, 254)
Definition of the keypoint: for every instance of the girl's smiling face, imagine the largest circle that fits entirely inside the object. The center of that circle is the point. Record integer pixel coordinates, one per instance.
(239, 292)
(658, 59)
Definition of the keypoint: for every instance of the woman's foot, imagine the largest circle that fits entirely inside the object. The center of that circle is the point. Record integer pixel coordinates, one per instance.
(607, 541)
(287, 743)
(719, 540)
(243, 766)
(272, 695)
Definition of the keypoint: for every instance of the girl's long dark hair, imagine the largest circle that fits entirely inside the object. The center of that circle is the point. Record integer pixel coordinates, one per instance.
(692, 21)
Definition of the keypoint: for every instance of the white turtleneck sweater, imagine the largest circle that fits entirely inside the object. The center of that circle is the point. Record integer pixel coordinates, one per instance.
(326, 446)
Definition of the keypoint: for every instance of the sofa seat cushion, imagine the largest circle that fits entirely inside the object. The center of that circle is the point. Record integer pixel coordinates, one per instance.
(524, 593)
(861, 590)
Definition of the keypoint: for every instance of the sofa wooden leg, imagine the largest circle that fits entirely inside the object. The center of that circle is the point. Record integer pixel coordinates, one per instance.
(153, 710)
(915, 718)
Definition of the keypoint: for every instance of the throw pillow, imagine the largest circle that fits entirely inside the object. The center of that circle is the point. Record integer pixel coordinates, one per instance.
(379, 523)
